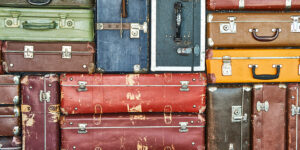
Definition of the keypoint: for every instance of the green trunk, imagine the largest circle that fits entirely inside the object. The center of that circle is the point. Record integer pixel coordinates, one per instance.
(52, 3)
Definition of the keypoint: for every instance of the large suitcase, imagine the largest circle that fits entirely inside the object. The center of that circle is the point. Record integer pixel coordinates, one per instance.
(253, 4)
(269, 117)
(253, 29)
(9, 121)
(112, 93)
(122, 43)
(228, 117)
(48, 3)
(40, 112)
(9, 89)
(253, 65)
(33, 24)
(136, 131)
(48, 57)
(10, 143)
(178, 35)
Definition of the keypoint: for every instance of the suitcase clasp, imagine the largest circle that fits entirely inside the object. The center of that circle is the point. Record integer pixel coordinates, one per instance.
(226, 67)
(135, 29)
(66, 23)
(82, 128)
(228, 27)
(28, 51)
(295, 110)
(16, 130)
(13, 22)
(183, 127)
(45, 96)
(262, 106)
(66, 52)
(236, 114)
(184, 86)
(82, 86)
(295, 26)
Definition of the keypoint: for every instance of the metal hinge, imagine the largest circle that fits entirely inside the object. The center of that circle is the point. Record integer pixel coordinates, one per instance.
(45, 96)
(228, 27)
(28, 51)
(189, 50)
(66, 23)
(295, 26)
(12, 22)
(183, 127)
(82, 86)
(295, 110)
(236, 114)
(82, 128)
(184, 86)
(262, 106)
(66, 52)
(226, 67)
(135, 29)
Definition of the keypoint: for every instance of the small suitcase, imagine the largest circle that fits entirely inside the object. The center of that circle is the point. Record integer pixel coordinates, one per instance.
(253, 4)
(48, 57)
(136, 131)
(34, 24)
(9, 121)
(9, 89)
(276, 29)
(253, 65)
(178, 35)
(228, 117)
(40, 112)
(10, 143)
(269, 117)
(48, 3)
(122, 41)
(113, 93)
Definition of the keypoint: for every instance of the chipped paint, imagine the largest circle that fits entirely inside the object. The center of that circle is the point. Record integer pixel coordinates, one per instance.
(28, 121)
(137, 108)
(202, 109)
(132, 96)
(25, 80)
(137, 117)
(25, 108)
(130, 79)
(140, 146)
(122, 142)
(54, 116)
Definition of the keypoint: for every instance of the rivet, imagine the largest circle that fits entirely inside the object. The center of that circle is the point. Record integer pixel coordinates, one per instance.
(74, 147)
(192, 121)
(194, 79)
(30, 87)
(84, 66)
(194, 106)
(193, 143)
(75, 108)
(71, 123)
(50, 85)
(293, 97)
(71, 79)
(11, 65)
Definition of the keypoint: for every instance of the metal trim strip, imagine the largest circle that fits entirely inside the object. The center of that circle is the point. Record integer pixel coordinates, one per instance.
(76, 52)
(10, 148)
(292, 57)
(135, 85)
(297, 119)
(132, 127)
(252, 21)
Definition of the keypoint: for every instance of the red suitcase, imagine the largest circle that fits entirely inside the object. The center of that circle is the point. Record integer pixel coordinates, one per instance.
(40, 112)
(112, 93)
(154, 131)
(9, 89)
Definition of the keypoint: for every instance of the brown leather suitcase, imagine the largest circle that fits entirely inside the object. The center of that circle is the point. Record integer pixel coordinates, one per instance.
(48, 57)
(154, 131)
(9, 89)
(278, 29)
(9, 121)
(228, 117)
(10, 143)
(40, 112)
(269, 117)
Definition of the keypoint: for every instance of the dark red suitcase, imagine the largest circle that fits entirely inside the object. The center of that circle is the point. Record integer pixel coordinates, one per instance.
(9, 89)
(9, 121)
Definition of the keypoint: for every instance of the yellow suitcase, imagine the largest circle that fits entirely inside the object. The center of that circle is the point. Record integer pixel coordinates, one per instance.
(253, 65)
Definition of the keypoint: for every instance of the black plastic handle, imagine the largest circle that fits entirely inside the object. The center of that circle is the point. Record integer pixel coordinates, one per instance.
(265, 38)
(266, 76)
(38, 2)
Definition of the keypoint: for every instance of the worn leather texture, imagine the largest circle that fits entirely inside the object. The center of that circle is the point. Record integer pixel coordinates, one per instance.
(35, 113)
(10, 142)
(47, 57)
(9, 89)
(46, 24)
(9, 120)
(264, 22)
(113, 93)
(52, 4)
(116, 54)
(222, 132)
(265, 128)
(242, 73)
(135, 131)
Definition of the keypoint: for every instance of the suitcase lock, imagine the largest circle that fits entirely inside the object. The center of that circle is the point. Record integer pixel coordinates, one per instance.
(82, 86)
(66, 52)
(262, 106)
(183, 127)
(44, 96)
(13, 22)
(295, 110)
(28, 51)
(295, 26)
(82, 128)
(228, 27)
(236, 114)
(226, 67)
(184, 86)
(135, 29)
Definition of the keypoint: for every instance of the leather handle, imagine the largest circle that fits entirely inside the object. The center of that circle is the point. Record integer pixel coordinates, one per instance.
(39, 26)
(265, 38)
(38, 2)
(266, 76)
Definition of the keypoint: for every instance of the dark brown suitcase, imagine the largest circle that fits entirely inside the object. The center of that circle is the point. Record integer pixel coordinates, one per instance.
(48, 57)
(154, 131)
(10, 143)
(228, 117)
(40, 112)
(9, 121)
(269, 117)
(9, 89)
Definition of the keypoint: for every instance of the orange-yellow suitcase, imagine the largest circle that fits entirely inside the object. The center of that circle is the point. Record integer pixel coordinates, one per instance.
(253, 65)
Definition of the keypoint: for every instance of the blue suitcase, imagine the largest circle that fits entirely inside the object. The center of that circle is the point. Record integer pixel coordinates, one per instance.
(122, 47)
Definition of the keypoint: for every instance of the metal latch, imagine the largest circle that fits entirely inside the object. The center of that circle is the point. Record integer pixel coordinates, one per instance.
(226, 67)
(82, 128)
(295, 110)
(189, 50)
(295, 26)
(45, 96)
(262, 106)
(28, 51)
(236, 114)
(228, 27)
(135, 29)
(184, 86)
(183, 127)
(82, 86)
(230, 146)
(66, 23)
(66, 52)
(13, 22)
(16, 130)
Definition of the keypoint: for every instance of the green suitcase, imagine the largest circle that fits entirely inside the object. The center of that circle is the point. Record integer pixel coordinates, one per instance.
(33, 24)
(48, 3)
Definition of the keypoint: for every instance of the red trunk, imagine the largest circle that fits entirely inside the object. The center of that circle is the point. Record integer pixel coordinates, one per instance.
(112, 93)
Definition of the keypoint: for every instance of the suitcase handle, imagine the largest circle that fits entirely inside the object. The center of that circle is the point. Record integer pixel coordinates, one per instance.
(39, 26)
(265, 38)
(39, 3)
(265, 76)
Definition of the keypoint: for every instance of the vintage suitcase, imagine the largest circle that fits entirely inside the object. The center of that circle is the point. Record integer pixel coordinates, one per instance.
(178, 35)
(9, 121)
(48, 3)
(253, 4)
(48, 57)
(253, 65)
(253, 29)
(139, 131)
(269, 117)
(9, 89)
(122, 36)
(113, 93)
(32, 24)
(10, 143)
(1, 69)
(40, 112)
(228, 117)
